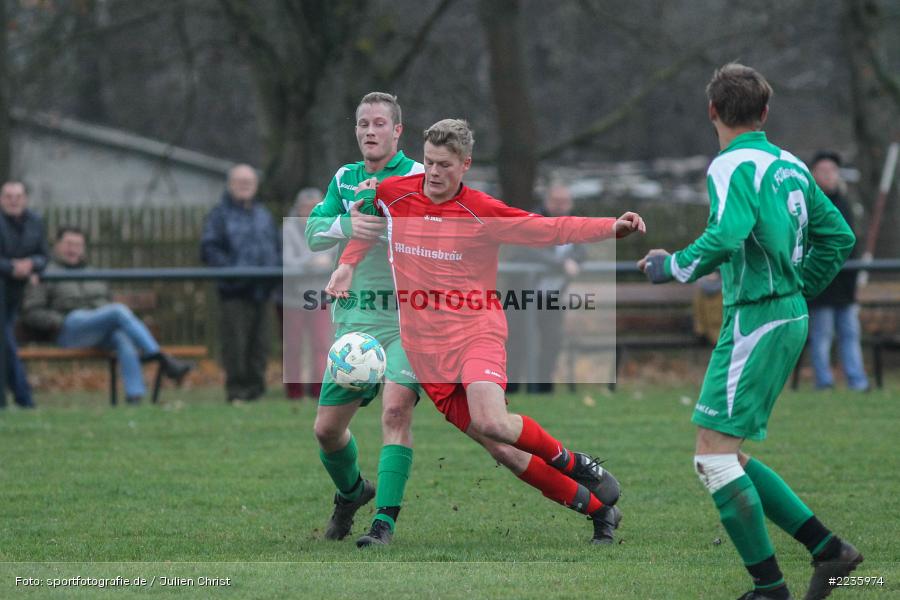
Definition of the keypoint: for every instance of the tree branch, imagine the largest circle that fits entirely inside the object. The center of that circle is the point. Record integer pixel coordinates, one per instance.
(700, 52)
(415, 46)
(890, 83)
(249, 35)
(624, 110)
(89, 33)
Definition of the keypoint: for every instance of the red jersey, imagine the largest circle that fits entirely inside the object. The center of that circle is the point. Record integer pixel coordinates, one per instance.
(444, 257)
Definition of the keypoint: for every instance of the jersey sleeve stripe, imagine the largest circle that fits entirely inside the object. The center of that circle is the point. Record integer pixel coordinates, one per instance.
(682, 274)
(333, 232)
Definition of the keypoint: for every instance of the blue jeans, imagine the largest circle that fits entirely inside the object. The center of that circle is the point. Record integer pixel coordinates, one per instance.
(823, 321)
(16, 378)
(112, 327)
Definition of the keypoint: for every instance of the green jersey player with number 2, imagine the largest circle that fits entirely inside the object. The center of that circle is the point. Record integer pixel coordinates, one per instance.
(777, 240)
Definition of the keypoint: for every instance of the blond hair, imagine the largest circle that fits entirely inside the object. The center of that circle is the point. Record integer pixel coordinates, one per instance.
(383, 98)
(455, 134)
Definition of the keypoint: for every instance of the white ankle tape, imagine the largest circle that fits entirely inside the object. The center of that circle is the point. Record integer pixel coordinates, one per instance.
(717, 470)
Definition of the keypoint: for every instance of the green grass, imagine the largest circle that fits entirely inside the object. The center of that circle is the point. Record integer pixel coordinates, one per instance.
(198, 488)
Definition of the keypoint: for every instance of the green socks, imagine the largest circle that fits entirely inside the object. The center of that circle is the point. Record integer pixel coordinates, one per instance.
(779, 501)
(394, 466)
(343, 468)
(787, 510)
(741, 513)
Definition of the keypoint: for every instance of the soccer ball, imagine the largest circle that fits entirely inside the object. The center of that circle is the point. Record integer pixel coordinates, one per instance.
(356, 361)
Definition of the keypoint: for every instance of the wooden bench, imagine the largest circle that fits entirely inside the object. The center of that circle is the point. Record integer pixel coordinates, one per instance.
(660, 317)
(648, 317)
(143, 303)
(880, 345)
(879, 318)
(49, 353)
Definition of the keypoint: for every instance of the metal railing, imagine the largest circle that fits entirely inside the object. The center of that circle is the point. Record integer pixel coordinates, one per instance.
(277, 273)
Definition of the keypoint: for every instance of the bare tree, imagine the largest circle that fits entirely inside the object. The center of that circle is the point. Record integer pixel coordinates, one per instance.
(875, 113)
(4, 99)
(293, 48)
(516, 158)
(290, 45)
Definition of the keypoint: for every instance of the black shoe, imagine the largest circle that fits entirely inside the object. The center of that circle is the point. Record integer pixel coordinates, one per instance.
(342, 518)
(599, 481)
(379, 535)
(606, 521)
(762, 595)
(175, 369)
(133, 400)
(828, 570)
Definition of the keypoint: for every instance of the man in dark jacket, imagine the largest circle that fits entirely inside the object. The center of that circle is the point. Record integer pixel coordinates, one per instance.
(240, 232)
(23, 253)
(81, 314)
(563, 263)
(835, 309)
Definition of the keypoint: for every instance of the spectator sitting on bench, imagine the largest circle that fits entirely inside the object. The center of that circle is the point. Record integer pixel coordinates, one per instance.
(81, 314)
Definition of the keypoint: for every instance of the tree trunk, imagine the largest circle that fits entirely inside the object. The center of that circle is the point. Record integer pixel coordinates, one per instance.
(874, 115)
(516, 156)
(284, 130)
(5, 125)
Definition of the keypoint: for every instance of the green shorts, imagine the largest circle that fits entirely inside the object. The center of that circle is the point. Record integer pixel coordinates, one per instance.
(758, 347)
(397, 368)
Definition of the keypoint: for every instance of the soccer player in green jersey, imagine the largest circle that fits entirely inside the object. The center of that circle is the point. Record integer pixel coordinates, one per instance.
(334, 221)
(777, 240)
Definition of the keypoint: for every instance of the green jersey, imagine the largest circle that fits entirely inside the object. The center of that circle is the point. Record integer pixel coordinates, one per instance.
(329, 224)
(771, 231)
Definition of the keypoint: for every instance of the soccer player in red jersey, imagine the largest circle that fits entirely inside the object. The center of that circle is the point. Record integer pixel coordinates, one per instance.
(444, 241)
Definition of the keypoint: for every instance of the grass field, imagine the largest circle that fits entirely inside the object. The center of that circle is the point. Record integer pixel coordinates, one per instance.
(196, 488)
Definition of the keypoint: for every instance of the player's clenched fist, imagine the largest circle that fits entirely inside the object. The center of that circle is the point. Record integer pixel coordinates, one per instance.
(369, 184)
(628, 224)
(365, 227)
(653, 266)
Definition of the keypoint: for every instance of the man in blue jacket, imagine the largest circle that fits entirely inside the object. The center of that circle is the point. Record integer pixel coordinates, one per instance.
(23, 253)
(240, 232)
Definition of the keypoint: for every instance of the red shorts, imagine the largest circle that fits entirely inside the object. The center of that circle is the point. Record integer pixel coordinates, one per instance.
(445, 375)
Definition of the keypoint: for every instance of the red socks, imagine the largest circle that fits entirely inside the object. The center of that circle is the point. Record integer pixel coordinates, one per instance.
(535, 440)
(558, 487)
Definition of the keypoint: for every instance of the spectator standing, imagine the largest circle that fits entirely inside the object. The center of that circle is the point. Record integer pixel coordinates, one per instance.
(307, 334)
(81, 314)
(835, 309)
(562, 263)
(23, 254)
(240, 232)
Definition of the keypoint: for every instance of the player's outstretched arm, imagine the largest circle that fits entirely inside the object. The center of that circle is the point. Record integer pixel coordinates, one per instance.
(510, 225)
(732, 218)
(339, 284)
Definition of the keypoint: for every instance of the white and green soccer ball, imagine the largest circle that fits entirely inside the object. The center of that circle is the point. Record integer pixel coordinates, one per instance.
(356, 361)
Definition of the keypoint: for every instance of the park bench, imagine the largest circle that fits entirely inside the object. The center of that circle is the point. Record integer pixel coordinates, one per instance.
(652, 317)
(648, 317)
(879, 318)
(48, 353)
(138, 301)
